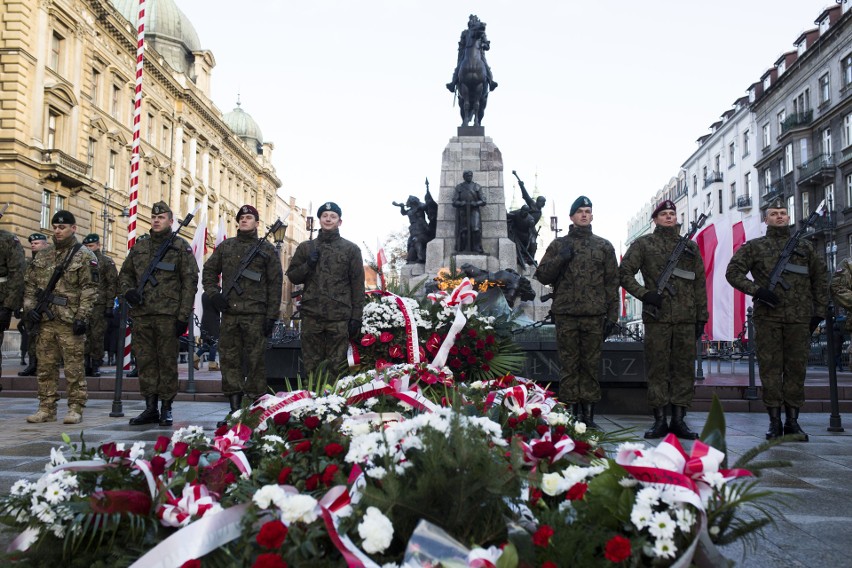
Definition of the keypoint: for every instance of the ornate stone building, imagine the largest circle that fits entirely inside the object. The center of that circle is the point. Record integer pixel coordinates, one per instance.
(66, 113)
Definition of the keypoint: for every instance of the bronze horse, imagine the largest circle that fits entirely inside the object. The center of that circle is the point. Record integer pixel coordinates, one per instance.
(473, 78)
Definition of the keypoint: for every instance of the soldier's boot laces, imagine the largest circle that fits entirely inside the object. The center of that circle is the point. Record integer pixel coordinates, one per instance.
(43, 414)
(775, 429)
(148, 416)
(588, 415)
(791, 423)
(659, 428)
(236, 402)
(75, 415)
(166, 418)
(678, 426)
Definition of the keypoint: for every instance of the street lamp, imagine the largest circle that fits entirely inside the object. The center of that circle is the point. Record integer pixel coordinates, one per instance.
(278, 235)
(554, 226)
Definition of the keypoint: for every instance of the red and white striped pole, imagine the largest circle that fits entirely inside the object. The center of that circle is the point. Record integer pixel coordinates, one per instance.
(134, 156)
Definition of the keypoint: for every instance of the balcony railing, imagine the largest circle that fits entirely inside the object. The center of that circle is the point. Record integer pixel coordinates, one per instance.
(60, 166)
(712, 178)
(743, 202)
(796, 120)
(816, 168)
(776, 191)
(821, 224)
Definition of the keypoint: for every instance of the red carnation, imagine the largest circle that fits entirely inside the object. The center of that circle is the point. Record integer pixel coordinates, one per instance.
(272, 534)
(284, 474)
(312, 482)
(281, 418)
(303, 447)
(489, 340)
(617, 549)
(329, 473)
(368, 340)
(386, 337)
(158, 465)
(541, 429)
(559, 431)
(194, 563)
(471, 333)
(542, 536)
(312, 422)
(577, 492)
(581, 448)
(162, 444)
(536, 412)
(269, 560)
(221, 430)
(488, 355)
(333, 449)
(294, 434)
(395, 352)
(192, 459)
(179, 450)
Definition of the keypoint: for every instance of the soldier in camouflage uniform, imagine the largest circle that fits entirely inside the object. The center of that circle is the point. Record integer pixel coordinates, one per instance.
(841, 291)
(783, 319)
(12, 267)
(38, 242)
(248, 318)
(680, 318)
(583, 271)
(332, 272)
(103, 306)
(62, 325)
(160, 313)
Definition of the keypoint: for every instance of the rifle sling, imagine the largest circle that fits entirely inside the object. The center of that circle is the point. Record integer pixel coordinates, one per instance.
(54, 280)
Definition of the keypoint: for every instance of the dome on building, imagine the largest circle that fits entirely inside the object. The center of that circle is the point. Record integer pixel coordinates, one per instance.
(244, 126)
(167, 30)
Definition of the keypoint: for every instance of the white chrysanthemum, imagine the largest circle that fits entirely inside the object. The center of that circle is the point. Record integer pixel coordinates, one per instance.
(574, 474)
(580, 427)
(43, 511)
(640, 516)
(21, 487)
(137, 450)
(55, 493)
(685, 519)
(714, 479)
(298, 508)
(648, 496)
(364, 448)
(190, 434)
(377, 472)
(371, 402)
(375, 530)
(267, 495)
(664, 548)
(662, 526)
(476, 385)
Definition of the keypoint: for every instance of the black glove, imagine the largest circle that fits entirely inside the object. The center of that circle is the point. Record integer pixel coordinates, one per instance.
(79, 327)
(313, 258)
(767, 297)
(653, 298)
(354, 328)
(699, 329)
(133, 297)
(5, 319)
(609, 328)
(219, 301)
(108, 313)
(566, 253)
(34, 316)
(180, 328)
(268, 327)
(815, 321)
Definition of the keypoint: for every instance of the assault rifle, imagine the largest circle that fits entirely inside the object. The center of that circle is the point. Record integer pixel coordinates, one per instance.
(776, 276)
(243, 270)
(671, 266)
(157, 262)
(46, 296)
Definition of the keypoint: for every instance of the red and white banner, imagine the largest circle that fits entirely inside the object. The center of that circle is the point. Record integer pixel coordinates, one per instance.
(199, 247)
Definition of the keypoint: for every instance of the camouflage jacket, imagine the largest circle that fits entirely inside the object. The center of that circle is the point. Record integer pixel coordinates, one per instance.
(12, 267)
(334, 290)
(841, 289)
(262, 296)
(175, 291)
(77, 288)
(587, 285)
(808, 293)
(650, 254)
(108, 289)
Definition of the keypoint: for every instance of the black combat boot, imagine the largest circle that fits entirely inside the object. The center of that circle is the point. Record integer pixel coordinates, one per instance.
(31, 370)
(791, 423)
(775, 430)
(659, 428)
(588, 415)
(134, 372)
(678, 427)
(87, 367)
(236, 402)
(148, 416)
(166, 413)
(96, 368)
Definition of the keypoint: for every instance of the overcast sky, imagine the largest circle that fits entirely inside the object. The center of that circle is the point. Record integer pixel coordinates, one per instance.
(604, 99)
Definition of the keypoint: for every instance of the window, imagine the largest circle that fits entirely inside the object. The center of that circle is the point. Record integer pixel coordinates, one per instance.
(848, 190)
(829, 197)
(746, 140)
(164, 142)
(825, 146)
(747, 184)
(791, 206)
(720, 201)
(695, 213)
(806, 205)
(111, 170)
(846, 67)
(767, 136)
(733, 194)
(95, 91)
(708, 201)
(115, 102)
(780, 117)
(185, 154)
(54, 58)
(694, 184)
(846, 131)
(788, 158)
(767, 180)
(50, 139)
(149, 128)
(824, 89)
(90, 155)
(717, 163)
(60, 202)
(732, 159)
(45, 208)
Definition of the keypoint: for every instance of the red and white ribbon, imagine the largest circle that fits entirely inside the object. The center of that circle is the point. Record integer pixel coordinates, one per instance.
(546, 446)
(195, 501)
(462, 295)
(280, 402)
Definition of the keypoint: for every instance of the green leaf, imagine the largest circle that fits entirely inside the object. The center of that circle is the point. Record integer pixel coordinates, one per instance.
(509, 558)
(713, 433)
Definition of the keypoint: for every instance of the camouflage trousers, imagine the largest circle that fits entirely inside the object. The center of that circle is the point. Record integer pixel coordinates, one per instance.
(95, 334)
(782, 353)
(56, 344)
(324, 341)
(156, 350)
(579, 340)
(670, 363)
(242, 354)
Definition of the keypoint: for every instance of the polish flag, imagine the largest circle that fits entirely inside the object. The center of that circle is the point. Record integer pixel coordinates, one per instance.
(199, 246)
(381, 260)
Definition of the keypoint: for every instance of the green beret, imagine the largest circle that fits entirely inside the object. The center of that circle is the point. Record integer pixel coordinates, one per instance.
(581, 201)
(37, 237)
(91, 238)
(329, 206)
(159, 208)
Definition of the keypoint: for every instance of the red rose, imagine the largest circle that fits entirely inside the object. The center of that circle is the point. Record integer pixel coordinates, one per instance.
(488, 355)
(544, 450)
(312, 422)
(194, 563)
(577, 492)
(230, 478)
(395, 352)
(535, 495)
(549, 564)
(454, 350)
(559, 431)
(541, 429)
(192, 459)
(272, 534)
(386, 337)
(162, 444)
(368, 340)
(303, 447)
(312, 482)
(281, 418)
(489, 340)
(471, 333)
(333, 449)
(158, 465)
(465, 350)
(269, 560)
(512, 422)
(179, 450)
(283, 475)
(455, 363)
(329, 473)
(480, 344)
(222, 430)
(471, 360)
(536, 412)
(542, 536)
(294, 434)
(485, 367)
(617, 549)
(120, 501)
(581, 448)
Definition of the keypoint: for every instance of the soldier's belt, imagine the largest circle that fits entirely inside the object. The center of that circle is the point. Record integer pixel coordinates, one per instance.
(59, 300)
(796, 269)
(252, 275)
(167, 266)
(685, 274)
